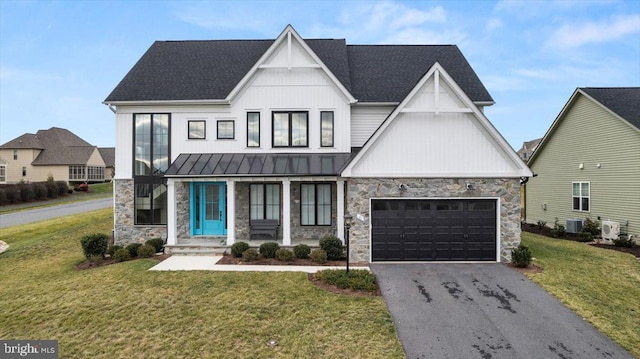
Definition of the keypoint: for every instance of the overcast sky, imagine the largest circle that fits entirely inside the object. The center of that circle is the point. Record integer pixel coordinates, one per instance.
(60, 59)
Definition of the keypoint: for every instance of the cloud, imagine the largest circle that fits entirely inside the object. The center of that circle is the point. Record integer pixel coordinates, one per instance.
(493, 24)
(576, 35)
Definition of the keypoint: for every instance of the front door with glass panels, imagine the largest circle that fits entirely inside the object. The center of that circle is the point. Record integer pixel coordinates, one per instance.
(208, 208)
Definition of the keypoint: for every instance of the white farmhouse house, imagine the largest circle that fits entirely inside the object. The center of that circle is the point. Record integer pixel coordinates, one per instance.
(243, 140)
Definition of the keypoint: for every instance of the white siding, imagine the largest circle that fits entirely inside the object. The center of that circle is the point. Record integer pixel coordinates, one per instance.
(124, 142)
(365, 120)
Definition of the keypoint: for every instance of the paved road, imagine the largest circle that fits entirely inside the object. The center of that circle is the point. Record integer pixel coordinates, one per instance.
(483, 311)
(41, 214)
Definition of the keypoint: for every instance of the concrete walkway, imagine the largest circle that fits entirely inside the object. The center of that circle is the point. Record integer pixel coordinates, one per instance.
(178, 263)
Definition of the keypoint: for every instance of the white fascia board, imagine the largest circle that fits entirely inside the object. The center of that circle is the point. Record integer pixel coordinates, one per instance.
(517, 174)
(376, 104)
(166, 102)
(484, 103)
(285, 36)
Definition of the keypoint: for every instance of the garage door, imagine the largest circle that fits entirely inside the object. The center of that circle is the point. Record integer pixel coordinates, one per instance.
(433, 230)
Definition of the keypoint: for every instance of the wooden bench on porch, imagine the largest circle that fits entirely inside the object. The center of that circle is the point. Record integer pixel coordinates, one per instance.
(264, 226)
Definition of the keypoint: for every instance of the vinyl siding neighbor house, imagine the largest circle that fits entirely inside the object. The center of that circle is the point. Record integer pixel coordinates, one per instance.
(588, 163)
(216, 137)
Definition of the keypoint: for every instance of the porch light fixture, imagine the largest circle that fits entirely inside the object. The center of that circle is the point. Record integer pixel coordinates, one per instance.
(347, 227)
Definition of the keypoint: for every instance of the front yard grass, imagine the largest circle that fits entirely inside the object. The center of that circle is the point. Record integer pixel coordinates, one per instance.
(126, 311)
(602, 286)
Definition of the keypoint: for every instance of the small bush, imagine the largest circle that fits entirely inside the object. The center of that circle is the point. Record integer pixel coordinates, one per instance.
(591, 226)
(113, 249)
(284, 255)
(356, 279)
(12, 193)
(585, 236)
(133, 249)
(52, 189)
(521, 256)
(558, 229)
(63, 188)
(541, 224)
(39, 191)
(318, 256)
(623, 240)
(250, 255)
(302, 251)
(121, 255)
(156, 243)
(26, 192)
(238, 248)
(268, 249)
(3, 196)
(333, 246)
(94, 245)
(146, 251)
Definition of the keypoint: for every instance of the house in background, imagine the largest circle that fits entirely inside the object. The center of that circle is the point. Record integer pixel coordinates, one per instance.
(215, 137)
(588, 163)
(54, 152)
(109, 157)
(528, 148)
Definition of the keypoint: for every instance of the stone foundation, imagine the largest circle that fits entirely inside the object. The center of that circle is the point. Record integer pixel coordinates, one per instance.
(125, 231)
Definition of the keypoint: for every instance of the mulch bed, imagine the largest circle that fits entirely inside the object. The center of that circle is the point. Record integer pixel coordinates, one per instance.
(631, 250)
(530, 269)
(229, 259)
(95, 263)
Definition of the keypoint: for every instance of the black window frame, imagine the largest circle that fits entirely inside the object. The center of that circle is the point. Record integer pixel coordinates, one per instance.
(264, 197)
(233, 130)
(204, 123)
(332, 129)
(290, 130)
(317, 205)
(24, 171)
(248, 114)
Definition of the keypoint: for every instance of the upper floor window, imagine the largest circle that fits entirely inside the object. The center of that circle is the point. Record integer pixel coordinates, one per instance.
(581, 196)
(290, 129)
(151, 144)
(197, 130)
(226, 130)
(253, 129)
(15, 155)
(326, 128)
(3, 174)
(24, 171)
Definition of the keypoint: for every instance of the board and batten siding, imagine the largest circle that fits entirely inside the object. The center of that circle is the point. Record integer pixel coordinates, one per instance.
(365, 120)
(589, 135)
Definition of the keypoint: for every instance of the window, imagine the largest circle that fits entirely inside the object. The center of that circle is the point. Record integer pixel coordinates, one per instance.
(24, 171)
(326, 128)
(253, 129)
(225, 130)
(197, 130)
(150, 203)
(3, 174)
(95, 173)
(290, 129)
(581, 196)
(77, 173)
(315, 204)
(265, 201)
(15, 155)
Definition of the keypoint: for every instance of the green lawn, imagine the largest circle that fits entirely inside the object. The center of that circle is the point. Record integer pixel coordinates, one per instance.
(602, 286)
(98, 190)
(125, 311)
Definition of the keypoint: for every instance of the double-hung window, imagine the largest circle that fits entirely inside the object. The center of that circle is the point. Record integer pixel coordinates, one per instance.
(315, 204)
(264, 201)
(290, 129)
(151, 160)
(581, 196)
(326, 128)
(253, 129)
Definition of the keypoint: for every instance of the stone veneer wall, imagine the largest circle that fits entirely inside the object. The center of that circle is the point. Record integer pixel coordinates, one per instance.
(123, 212)
(360, 190)
(183, 212)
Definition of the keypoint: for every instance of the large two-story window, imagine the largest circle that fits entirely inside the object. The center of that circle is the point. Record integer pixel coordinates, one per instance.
(326, 128)
(253, 129)
(581, 196)
(265, 201)
(151, 160)
(290, 129)
(315, 204)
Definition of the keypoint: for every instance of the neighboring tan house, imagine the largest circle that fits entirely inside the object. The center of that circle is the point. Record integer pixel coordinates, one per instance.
(218, 138)
(109, 157)
(588, 163)
(528, 148)
(54, 152)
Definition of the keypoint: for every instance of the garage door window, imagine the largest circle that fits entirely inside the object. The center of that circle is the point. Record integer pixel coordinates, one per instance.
(315, 204)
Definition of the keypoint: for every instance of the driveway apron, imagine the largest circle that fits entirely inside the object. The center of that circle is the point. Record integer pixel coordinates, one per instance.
(483, 311)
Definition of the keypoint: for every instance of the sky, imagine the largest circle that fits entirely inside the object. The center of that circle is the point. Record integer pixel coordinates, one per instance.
(60, 59)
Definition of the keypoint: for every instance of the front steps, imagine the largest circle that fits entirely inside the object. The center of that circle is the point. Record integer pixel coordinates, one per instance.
(195, 249)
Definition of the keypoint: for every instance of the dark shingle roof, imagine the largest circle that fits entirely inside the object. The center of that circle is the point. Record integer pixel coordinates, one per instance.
(26, 141)
(208, 70)
(624, 101)
(108, 156)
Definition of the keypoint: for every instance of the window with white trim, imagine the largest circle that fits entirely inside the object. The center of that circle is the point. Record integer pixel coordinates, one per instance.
(326, 128)
(581, 196)
(315, 204)
(3, 174)
(253, 129)
(264, 201)
(226, 130)
(197, 129)
(290, 129)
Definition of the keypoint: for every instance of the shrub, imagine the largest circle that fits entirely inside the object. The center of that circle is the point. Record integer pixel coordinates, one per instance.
(156, 243)
(585, 236)
(302, 251)
(592, 227)
(112, 250)
(26, 192)
(39, 191)
(356, 279)
(250, 255)
(333, 246)
(541, 224)
(121, 255)
(558, 229)
(12, 193)
(52, 189)
(133, 249)
(623, 240)
(268, 249)
(3, 195)
(318, 256)
(521, 256)
(284, 255)
(146, 251)
(238, 248)
(94, 245)
(63, 188)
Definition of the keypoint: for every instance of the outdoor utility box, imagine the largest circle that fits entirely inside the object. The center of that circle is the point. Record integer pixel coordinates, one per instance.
(574, 225)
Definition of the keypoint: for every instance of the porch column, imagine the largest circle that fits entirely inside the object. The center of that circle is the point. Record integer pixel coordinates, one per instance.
(171, 212)
(286, 212)
(231, 211)
(340, 205)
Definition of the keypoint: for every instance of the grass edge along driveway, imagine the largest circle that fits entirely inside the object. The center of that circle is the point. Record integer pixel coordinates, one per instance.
(600, 285)
(126, 311)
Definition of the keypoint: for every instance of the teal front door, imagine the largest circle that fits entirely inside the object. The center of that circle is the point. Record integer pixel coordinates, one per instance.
(208, 208)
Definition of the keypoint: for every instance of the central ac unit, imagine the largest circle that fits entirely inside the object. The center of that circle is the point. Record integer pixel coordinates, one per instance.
(574, 225)
(610, 230)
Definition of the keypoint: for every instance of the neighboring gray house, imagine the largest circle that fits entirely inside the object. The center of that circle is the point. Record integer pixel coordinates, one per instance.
(527, 149)
(54, 152)
(588, 163)
(214, 137)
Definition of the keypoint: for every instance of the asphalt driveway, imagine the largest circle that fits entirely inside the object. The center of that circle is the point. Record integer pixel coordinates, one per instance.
(483, 311)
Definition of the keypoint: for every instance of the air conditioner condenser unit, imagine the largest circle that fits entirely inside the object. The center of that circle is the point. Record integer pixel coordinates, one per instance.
(574, 225)
(610, 230)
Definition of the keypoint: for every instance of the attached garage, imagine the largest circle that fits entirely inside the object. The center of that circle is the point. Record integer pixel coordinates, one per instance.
(434, 229)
